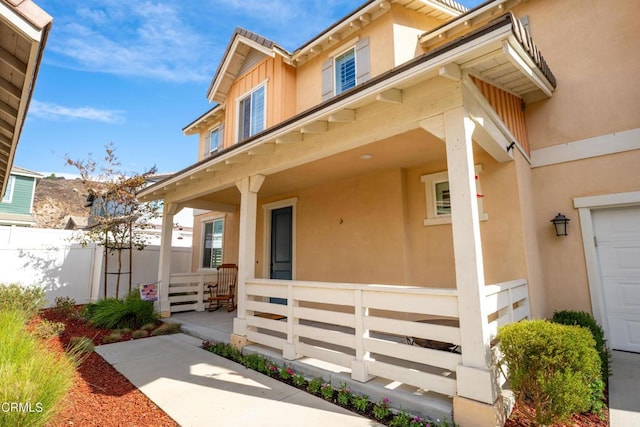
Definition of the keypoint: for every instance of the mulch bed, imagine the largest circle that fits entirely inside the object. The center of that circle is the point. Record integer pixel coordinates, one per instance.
(100, 396)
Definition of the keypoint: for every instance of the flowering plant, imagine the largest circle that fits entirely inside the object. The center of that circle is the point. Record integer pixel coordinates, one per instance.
(381, 409)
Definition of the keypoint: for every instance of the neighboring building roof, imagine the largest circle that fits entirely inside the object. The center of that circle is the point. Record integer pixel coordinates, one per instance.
(25, 172)
(76, 222)
(17, 219)
(24, 28)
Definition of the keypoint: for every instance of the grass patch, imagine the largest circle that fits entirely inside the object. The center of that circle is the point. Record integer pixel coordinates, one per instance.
(27, 299)
(32, 376)
(111, 338)
(140, 333)
(166, 329)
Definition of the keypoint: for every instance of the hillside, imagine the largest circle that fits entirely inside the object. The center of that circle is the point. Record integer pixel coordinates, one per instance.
(56, 199)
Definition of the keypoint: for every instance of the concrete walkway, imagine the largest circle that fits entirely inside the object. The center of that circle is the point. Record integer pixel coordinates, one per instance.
(198, 388)
(624, 390)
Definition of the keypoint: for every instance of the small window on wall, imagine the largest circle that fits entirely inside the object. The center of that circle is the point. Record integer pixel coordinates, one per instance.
(251, 113)
(439, 199)
(346, 69)
(214, 140)
(212, 243)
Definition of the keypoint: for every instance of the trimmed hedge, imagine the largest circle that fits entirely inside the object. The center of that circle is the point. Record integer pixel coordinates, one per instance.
(584, 319)
(554, 367)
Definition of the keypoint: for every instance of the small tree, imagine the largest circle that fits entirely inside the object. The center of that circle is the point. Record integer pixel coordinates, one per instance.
(118, 219)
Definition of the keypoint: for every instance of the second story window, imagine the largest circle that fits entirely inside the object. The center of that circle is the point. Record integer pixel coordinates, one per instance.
(214, 140)
(345, 67)
(251, 113)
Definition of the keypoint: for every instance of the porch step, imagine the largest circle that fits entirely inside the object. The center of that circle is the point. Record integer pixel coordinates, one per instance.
(402, 397)
(202, 332)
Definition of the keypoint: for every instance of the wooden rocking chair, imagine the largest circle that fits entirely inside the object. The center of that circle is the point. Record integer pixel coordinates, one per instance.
(224, 289)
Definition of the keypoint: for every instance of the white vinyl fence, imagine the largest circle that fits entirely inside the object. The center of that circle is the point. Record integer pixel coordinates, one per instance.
(51, 259)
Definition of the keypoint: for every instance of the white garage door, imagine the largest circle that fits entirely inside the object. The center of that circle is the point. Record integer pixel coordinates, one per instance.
(617, 234)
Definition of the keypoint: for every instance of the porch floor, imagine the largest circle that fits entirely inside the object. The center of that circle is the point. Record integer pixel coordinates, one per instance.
(218, 326)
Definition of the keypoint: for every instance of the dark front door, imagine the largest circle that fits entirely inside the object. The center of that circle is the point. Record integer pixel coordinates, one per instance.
(281, 246)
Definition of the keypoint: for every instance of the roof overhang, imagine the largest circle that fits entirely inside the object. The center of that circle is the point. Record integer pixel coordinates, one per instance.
(212, 116)
(447, 61)
(24, 28)
(241, 44)
(439, 9)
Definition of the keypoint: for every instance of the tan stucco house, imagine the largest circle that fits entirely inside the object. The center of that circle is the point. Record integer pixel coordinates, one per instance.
(397, 176)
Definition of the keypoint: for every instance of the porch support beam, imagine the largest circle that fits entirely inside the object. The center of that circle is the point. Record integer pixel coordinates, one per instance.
(248, 187)
(164, 267)
(475, 377)
(210, 206)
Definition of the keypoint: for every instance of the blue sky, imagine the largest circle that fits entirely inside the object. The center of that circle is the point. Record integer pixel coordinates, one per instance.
(134, 73)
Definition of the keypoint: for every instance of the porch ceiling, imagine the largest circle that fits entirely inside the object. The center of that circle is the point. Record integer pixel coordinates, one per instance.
(410, 149)
(23, 32)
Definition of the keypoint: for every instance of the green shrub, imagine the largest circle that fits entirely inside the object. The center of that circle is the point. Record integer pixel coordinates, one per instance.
(360, 402)
(167, 329)
(554, 367)
(326, 391)
(381, 409)
(129, 312)
(299, 381)
(315, 385)
(584, 319)
(46, 329)
(28, 299)
(256, 362)
(344, 394)
(402, 419)
(32, 375)
(66, 306)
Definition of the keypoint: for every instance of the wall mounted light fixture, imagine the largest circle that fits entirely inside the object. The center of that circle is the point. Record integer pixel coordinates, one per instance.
(560, 223)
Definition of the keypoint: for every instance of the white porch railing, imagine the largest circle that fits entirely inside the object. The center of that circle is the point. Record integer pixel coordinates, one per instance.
(507, 302)
(186, 290)
(367, 328)
(354, 325)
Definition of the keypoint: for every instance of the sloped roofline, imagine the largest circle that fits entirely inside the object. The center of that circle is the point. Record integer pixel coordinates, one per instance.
(500, 24)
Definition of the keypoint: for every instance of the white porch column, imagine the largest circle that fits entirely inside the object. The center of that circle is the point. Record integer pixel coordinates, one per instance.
(164, 266)
(476, 378)
(249, 187)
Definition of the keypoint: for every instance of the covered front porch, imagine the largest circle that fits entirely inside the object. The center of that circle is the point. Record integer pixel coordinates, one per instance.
(405, 204)
(336, 345)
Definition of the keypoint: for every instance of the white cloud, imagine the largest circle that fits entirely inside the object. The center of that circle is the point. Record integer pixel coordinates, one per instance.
(138, 39)
(52, 111)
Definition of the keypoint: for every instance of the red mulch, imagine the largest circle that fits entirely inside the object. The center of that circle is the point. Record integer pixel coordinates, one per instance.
(101, 396)
(517, 419)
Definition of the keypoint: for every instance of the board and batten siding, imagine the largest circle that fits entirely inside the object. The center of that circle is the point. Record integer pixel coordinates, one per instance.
(279, 79)
(22, 196)
(509, 108)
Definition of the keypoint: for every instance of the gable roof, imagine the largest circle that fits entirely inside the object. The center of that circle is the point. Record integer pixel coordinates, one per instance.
(243, 41)
(25, 172)
(241, 44)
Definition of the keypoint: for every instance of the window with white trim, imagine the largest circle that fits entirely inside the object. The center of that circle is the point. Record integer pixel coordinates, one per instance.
(8, 194)
(214, 140)
(251, 113)
(438, 198)
(346, 68)
(212, 235)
